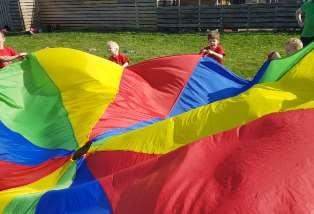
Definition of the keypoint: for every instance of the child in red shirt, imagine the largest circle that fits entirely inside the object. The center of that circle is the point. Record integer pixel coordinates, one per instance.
(120, 59)
(214, 49)
(7, 55)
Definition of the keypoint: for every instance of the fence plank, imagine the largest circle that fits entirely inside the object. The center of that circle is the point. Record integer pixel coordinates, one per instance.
(113, 14)
(10, 14)
(276, 16)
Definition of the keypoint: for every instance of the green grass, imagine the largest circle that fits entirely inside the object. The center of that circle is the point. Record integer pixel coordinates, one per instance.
(245, 52)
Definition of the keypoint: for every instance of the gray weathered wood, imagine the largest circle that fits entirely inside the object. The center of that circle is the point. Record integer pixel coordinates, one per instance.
(144, 14)
(10, 14)
(275, 16)
(106, 14)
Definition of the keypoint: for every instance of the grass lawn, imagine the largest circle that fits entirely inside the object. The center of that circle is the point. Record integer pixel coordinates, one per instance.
(245, 52)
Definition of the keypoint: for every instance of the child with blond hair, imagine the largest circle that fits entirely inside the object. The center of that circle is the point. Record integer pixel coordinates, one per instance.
(291, 46)
(115, 56)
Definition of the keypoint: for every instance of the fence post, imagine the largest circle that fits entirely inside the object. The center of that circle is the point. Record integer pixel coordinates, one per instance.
(36, 17)
(199, 15)
(220, 18)
(179, 14)
(136, 15)
(248, 22)
(276, 16)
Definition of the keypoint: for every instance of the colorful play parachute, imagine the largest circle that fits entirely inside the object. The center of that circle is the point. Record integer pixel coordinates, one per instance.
(178, 134)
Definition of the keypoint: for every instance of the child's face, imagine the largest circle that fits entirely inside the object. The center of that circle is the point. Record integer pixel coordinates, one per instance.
(290, 49)
(113, 50)
(213, 43)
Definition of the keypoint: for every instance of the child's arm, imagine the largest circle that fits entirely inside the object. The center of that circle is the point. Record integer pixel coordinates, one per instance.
(8, 58)
(125, 64)
(220, 56)
(125, 60)
(11, 58)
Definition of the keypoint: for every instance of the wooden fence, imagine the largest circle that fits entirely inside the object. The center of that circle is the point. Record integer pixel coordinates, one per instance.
(10, 14)
(245, 16)
(144, 15)
(99, 14)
